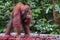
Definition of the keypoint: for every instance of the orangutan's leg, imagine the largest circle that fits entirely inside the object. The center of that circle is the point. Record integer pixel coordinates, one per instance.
(17, 29)
(9, 27)
(16, 26)
(26, 29)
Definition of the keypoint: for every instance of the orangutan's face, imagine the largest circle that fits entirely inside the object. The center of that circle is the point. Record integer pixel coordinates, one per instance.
(25, 12)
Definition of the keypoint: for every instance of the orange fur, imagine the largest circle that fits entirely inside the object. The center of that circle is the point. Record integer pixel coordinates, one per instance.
(18, 19)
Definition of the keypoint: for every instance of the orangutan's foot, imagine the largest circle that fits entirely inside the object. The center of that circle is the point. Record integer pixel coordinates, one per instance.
(17, 36)
(26, 35)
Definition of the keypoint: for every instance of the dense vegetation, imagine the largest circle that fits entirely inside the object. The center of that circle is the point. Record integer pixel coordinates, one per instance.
(42, 13)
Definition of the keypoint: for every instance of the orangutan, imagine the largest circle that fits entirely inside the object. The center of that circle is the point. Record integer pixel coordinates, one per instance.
(20, 17)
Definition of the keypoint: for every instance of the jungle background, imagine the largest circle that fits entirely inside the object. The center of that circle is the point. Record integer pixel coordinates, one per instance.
(42, 13)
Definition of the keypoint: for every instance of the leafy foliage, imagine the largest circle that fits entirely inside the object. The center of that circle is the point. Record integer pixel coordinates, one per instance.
(41, 13)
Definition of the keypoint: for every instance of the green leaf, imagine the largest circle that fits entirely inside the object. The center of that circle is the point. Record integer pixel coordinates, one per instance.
(7, 4)
(47, 10)
(50, 7)
(59, 10)
(37, 10)
(57, 7)
(2, 6)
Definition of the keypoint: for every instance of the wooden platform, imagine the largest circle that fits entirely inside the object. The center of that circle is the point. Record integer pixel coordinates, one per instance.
(33, 36)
